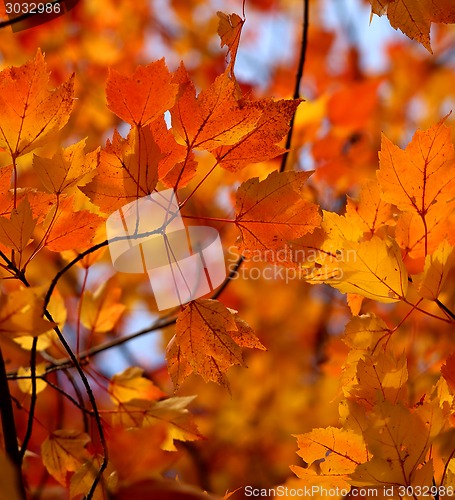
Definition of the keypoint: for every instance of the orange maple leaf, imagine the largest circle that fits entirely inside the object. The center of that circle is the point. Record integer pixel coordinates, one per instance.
(208, 340)
(215, 117)
(142, 97)
(414, 17)
(273, 212)
(261, 143)
(128, 170)
(30, 113)
(68, 229)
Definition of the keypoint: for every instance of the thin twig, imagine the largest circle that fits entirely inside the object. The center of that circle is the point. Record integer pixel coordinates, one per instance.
(31, 414)
(298, 79)
(9, 426)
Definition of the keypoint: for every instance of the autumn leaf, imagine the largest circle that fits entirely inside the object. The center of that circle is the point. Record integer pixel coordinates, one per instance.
(273, 212)
(17, 231)
(261, 143)
(370, 212)
(365, 332)
(128, 170)
(69, 229)
(437, 268)
(82, 480)
(229, 31)
(21, 313)
(131, 384)
(142, 97)
(373, 269)
(176, 165)
(64, 451)
(102, 309)
(30, 114)
(398, 440)
(203, 342)
(171, 415)
(414, 17)
(339, 450)
(380, 378)
(66, 168)
(422, 175)
(420, 181)
(214, 118)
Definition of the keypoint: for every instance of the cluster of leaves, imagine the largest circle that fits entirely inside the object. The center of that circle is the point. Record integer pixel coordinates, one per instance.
(390, 249)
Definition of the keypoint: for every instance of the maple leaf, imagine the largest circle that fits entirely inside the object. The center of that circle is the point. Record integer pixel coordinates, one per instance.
(420, 181)
(273, 212)
(422, 175)
(207, 341)
(131, 384)
(414, 17)
(371, 212)
(176, 165)
(373, 269)
(436, 271)
(21, 313)
(64, 451)
(229, 31)
(398, 441)
(102, 310)
(68, 229)
(66, 168)
(215, 117)
(29, 113)
(170, 414)
(340, 452)
(142, 97)
(128, 170)
(380, 378)
(16, 231)
(261, 143)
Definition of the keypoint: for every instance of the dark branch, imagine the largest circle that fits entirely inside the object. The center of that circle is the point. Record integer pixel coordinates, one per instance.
(298, 79)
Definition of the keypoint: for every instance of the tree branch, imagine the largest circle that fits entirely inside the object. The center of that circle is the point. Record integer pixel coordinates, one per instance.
(9, 426)
(298, 78)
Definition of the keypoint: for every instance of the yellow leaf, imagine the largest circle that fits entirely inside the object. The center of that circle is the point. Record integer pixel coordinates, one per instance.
(437, 267)
(66, 168)
(170, 414)
(131, 384)
(102, 310)
(398, 440)
(370, 213)
(64, 451)
(373, 269)
(25, 384)
(58, 311)
(340, 451)
(21, 313)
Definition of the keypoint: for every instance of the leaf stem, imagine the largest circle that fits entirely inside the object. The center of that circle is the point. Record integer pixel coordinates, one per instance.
(298, 78)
